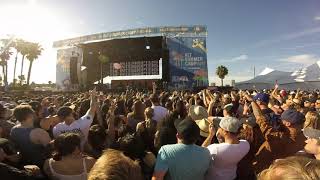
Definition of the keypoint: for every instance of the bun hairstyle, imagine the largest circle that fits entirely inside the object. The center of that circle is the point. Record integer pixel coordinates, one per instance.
(65, 144)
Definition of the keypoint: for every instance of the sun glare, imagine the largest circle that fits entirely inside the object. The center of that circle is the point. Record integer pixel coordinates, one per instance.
(31, 22)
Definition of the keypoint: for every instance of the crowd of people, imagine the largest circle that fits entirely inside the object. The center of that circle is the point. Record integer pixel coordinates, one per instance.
(161, 134)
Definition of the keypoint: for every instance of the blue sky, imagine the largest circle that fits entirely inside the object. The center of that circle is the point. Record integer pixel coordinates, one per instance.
(279, 34)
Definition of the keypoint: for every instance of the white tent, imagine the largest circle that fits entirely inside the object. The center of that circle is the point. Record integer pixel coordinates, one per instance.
(306, 79)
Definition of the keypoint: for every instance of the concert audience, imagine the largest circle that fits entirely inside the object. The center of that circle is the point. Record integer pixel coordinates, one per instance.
(246, 135)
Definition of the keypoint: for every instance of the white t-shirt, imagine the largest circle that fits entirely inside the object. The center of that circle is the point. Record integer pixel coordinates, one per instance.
(225, 158)
(159, 113)
(80, 126)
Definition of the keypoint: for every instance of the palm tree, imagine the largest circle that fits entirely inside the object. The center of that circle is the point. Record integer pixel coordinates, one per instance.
(18, 43)
(24, 51)
(103, 60)
(5, 54)
(221, 72)
(35, 50)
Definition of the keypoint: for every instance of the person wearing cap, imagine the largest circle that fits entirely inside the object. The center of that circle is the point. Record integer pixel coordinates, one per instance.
(68, 123)
(229, 151)
(262, 100)
(183, 160)
(279, 142)
(313, 141)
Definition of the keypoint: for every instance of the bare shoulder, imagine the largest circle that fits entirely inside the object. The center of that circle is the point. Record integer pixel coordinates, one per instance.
(40, 136)
(90, 161)
(46, 168)
(39, 131)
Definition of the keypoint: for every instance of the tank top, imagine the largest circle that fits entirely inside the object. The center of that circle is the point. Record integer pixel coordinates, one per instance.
(31, 153)
(82, 176)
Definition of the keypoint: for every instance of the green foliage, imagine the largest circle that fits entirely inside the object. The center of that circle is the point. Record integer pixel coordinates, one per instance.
(221, 72)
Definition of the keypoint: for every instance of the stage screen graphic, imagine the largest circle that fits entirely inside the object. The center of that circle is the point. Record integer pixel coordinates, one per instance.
(134, 68)
(188, 61)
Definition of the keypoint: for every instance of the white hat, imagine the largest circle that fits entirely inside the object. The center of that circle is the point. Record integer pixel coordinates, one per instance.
(230, 124)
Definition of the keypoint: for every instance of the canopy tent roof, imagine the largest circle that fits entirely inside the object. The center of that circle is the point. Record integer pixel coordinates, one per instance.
(305, 78)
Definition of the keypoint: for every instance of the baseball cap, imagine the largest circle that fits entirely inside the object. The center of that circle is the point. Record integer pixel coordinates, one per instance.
(292, 116)
(198, 112)
(188, 129)
(311, 133)
(230, 124)
(263, 97)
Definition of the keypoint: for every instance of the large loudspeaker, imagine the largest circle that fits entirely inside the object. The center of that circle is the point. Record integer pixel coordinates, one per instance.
(165, 65)
(73, 70)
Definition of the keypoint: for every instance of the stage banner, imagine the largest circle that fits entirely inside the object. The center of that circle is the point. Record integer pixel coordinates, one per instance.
(188, 62)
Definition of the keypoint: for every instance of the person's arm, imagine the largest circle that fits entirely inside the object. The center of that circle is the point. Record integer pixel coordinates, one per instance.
(274, 108)
(47, 122)
(111, 128)
(275, 95)
(99, 117)
(46, 168)
(211, 105)
(297, 94)
(266, 128)
(158, 175)
(161, 166)
(93, 103)
(208, 140)
(204, 98)
(245, 110)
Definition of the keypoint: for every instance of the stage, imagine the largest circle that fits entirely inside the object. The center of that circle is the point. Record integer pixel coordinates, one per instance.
(137, 57)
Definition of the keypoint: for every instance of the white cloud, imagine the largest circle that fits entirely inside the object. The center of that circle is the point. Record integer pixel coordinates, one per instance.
(304, 59)
(317, 18)
(242, 57)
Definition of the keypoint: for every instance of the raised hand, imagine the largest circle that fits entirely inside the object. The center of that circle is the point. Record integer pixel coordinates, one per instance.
(212, 130)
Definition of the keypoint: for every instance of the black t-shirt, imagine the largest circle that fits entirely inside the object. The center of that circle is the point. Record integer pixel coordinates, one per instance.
(12, 173)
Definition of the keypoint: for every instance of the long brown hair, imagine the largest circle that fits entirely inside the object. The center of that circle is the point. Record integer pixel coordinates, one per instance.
(114, 165)
(312, 120)
(138, 110)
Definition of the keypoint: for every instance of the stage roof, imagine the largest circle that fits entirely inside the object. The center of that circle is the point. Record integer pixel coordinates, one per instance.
(196, 30)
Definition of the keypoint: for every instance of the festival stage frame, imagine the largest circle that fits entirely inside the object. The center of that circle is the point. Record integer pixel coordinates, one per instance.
(174, 55)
